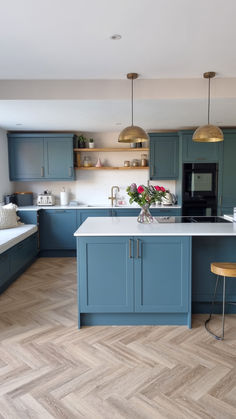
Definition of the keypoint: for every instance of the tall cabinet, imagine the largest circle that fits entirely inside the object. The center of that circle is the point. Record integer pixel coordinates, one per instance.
(227, 196)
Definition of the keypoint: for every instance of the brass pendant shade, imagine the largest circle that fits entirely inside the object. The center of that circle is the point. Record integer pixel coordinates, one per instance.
(208, 133)
(133, 133)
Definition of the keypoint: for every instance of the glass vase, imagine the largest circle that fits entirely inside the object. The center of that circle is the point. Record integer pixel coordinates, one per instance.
(145, 216)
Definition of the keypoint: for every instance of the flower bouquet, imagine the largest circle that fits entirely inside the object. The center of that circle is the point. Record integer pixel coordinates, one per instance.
(145, 196)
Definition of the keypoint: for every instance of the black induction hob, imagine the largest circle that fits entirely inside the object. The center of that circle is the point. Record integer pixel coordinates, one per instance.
(192, 219)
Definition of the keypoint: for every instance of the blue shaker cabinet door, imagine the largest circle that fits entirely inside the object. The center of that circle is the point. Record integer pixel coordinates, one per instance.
(5, 268)
(199, 152)
(229, 171)
(164, 156)
(59, 158)
(82, 215)
(56, 229)
(105, 277)
(26, 158)
(162, 274)
(28, 217)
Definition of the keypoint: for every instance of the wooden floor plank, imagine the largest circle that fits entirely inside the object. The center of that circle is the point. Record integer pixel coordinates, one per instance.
(50, 369)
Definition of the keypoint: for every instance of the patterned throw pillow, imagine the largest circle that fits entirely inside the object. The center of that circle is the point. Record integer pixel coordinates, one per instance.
(8, 218)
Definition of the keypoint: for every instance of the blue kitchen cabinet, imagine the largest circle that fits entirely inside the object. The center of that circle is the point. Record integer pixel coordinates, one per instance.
(162, 274)
(26, 157)
(28, 217)
(5, 269)
(105, 275)
(59, 158)
(57, 228)
(15, 260)
(125, 212)
(136, 276)
(194, 152)
(82, 215)
(40, 156)
(156, 212)
(164, 156)
(228, 189)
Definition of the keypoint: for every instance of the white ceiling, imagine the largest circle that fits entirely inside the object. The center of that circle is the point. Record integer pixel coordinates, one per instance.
(70, 39)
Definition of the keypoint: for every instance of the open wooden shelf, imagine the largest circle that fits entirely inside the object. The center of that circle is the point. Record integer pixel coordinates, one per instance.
(85, 150)
(112, 168)
(111, 149)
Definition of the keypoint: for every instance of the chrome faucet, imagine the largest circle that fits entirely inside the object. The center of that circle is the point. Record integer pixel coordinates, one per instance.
(112, 197)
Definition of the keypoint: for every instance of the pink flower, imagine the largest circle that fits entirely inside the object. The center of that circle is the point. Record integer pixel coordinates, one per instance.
(162, 189)
(140, 189)
(157, 188)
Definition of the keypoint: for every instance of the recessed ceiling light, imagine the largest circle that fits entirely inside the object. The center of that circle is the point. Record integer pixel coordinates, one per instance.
(116, 37)
(18, 125)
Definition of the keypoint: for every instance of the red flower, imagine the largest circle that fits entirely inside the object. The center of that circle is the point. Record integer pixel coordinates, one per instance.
(140, 189)
(162, 189)
(157, 188)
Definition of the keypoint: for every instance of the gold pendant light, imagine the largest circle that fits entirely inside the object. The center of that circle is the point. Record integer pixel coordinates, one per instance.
(133, 133)
(208, 133)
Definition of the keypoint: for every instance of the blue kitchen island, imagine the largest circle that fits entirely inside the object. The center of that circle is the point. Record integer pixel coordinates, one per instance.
(136, 274)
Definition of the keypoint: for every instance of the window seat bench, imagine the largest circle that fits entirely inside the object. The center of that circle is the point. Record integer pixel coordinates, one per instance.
(18, 249)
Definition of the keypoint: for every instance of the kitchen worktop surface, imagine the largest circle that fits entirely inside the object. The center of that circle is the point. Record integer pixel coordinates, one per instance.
(128, 226)
(71, 207)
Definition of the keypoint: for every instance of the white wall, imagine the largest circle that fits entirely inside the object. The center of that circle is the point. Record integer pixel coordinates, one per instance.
(93, 187)
(5, 185)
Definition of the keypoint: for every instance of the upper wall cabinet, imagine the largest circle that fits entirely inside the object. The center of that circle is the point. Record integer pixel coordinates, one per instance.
(164, 156)
(194, 152)
(40, 156)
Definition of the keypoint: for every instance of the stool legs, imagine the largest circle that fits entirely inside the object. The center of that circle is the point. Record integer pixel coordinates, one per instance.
(223, 311)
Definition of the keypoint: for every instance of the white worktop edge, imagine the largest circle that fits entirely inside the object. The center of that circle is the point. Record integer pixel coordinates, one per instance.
(128, 226)
(91, 207)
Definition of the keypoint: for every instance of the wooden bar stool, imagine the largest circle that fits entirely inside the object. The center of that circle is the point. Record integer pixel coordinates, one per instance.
(224, 270)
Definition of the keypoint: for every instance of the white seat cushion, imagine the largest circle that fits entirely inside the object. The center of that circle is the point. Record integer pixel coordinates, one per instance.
(12, 236)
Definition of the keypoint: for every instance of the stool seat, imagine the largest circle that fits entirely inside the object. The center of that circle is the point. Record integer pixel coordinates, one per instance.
(224, 269)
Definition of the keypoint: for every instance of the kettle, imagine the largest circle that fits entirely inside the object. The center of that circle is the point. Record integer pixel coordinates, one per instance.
(168, 199)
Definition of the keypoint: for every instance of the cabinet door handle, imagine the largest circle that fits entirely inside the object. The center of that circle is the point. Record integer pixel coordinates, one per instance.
(138, 254)
(220, 200)
(70, 171)
(42, 171)
(130, 250)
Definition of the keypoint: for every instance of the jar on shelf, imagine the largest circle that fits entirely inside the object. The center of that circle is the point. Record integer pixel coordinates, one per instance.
(126, 163)
(135, 163)
(87, 161)
(143, 160)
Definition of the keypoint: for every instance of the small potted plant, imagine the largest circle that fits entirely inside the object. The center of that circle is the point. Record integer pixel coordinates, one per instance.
(91, 143)
(82, 141)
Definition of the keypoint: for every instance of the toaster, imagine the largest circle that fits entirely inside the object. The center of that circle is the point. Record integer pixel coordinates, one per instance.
(46, 199)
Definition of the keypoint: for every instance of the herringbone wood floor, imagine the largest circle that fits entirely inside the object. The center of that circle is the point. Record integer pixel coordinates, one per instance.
(49, 369)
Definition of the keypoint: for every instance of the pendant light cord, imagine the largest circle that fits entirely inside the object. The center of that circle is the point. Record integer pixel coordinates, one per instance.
(209, 95)
(132, 102)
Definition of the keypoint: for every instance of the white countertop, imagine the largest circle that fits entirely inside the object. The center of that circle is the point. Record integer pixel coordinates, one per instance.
(71, 207)
(128, 226)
